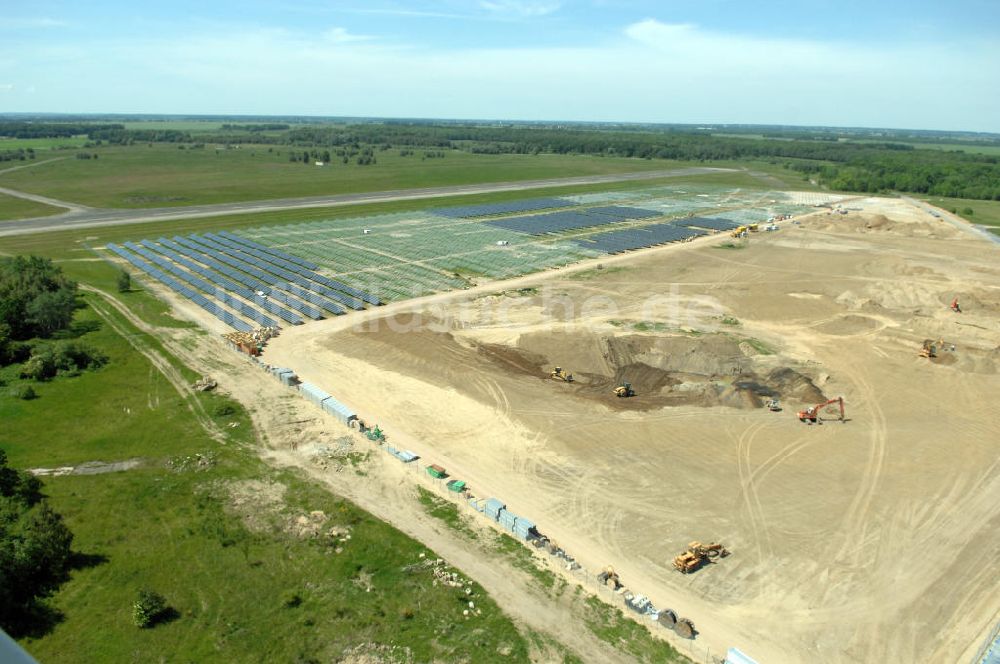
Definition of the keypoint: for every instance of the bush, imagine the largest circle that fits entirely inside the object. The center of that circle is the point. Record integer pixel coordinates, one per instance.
(224, 409)
(124, 282)
(27, 393)
(67, 358)
(290, 599)
(968, 212)
(148, 608)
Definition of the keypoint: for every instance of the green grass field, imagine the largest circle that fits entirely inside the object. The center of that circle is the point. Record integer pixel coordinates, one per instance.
(72, 142)
(20, 208)
(245, 587)
(164, 176)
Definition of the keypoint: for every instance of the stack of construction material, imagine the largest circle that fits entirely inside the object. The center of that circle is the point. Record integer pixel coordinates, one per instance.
(403, 455)
(493, 507)
(507, 519)
(327, 403)
(286, 376)
(524, 529)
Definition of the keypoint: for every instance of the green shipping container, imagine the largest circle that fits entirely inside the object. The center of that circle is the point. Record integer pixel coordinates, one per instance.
(436, 472)
(458, 486)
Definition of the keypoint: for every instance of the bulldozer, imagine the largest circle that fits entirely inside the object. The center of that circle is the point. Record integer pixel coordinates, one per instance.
(928, 350)
(559, 374)
(624, 391)
(698, 554)
(609, 577)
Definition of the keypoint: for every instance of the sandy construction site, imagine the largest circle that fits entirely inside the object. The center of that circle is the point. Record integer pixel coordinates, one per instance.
(875, 539)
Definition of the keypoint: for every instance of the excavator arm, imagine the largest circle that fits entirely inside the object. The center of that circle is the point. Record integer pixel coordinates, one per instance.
(811, 414)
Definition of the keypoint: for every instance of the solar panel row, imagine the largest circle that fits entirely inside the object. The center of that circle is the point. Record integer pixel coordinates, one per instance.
(303, 263)
(275, 275)
(270, 258)
(707, 222)
(222, 314)
(508, 207)
(622, 212)
(197, 252)
(556, 222)
(207, 287)
(228, 284)
(309, 265)
(251, 266)
(615, 242)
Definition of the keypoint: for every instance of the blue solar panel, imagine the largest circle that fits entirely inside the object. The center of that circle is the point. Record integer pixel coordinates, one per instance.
(305, 267)
(706, 222)
(509, 207)
(212, 289)
(199, 299)
(267, 283)
(614, 242)
(267, 271)
(309, 265)
(555, 222)
(273, 256)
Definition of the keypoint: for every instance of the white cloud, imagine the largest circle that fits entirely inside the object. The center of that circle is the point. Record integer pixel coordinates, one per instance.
(521, 8)
(6, 87)
(343, 36)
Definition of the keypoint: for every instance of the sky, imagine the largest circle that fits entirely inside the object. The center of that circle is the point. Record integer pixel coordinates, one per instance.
(914, 64)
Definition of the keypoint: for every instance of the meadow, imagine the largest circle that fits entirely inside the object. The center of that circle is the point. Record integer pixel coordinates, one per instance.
(12, 207)
(241, 588)
(162, 175)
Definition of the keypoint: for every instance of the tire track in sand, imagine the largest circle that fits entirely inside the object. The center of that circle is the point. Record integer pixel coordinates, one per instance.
(856, 518)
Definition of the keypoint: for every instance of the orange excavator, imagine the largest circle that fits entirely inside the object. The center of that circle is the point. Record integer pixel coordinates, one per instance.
(954, 306)
(811, 415)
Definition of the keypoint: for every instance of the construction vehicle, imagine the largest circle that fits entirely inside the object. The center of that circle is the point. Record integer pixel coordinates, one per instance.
(928, 350)
(739, 231)
(559, 374)
(753, 228)
(685, 628)
(609, 577)
(811, 415)
(954, 306)
(624, 391)
(773, 405)
(698, 554)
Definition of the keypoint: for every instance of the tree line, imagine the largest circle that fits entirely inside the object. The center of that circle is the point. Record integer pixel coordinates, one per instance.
(849, 166)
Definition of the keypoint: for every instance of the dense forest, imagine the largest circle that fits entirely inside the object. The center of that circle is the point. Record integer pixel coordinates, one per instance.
(878, 165)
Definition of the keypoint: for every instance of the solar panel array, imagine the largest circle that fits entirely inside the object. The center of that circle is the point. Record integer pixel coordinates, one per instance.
(707, 222)
(194, 251)
(205, 286)
(219, 312)
(269, 270)
(219, 283)
(622, 212)
(257, 268)
(298, 260)
(509, 207)
(289, 262)
(628, 239)
(555, 222)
